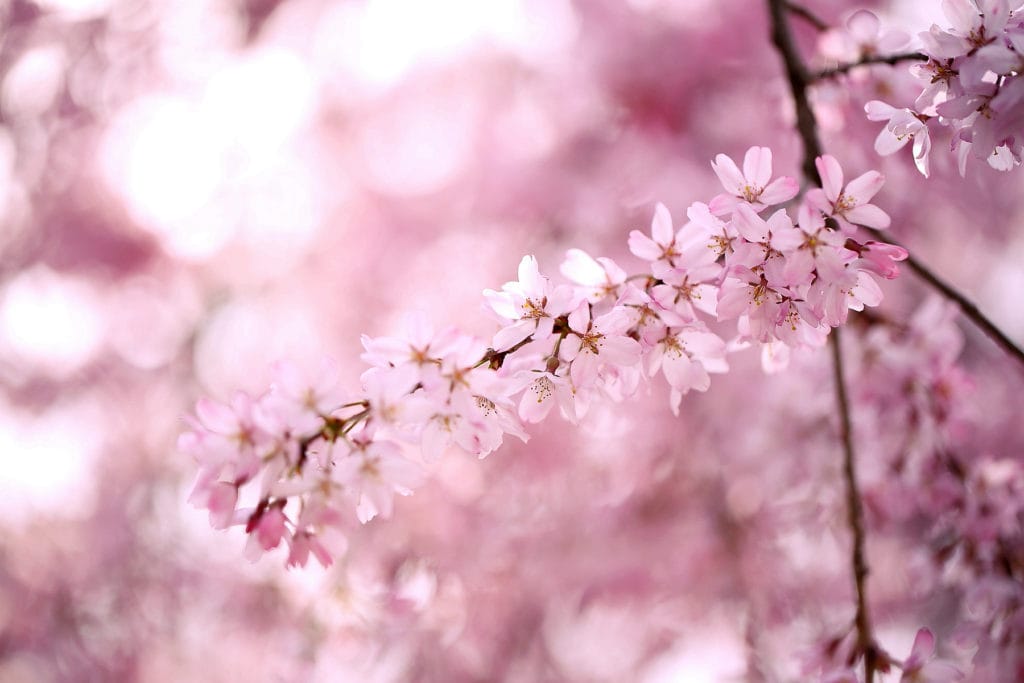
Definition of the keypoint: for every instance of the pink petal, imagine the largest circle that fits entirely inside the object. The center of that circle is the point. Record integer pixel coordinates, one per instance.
(757, 166)
(500, 302)
(786, 239)
(619, 350)
(613, 272)
(723, 204)
(419, 328)
(683, 374)
(216, 417)
(643, 246)
(961, 14)
(879, 111)
(888, 142)
(579, 319)
(870, 216)
(862, 188)
(751, 226)
(509, 336)
(583, 369)
(536, 401)
(435, 440)
(831, 176)
(996, 14)
(923, 647)
(863, 26)
(780, 190)
(581, 268)
(728, 173)
(661, 226)
(530, 278)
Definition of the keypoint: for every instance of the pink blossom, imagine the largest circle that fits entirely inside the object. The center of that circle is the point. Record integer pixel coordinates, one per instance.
(597, 279)
(765, 243)
(863, 37)
(819, 251)
(753, 185)
(662, 244)
(268, 524)
(922, 667)
(902, 126)
(717, 235)
(975, 23)
(881, 258)
(686, 357)
(848, 205)
(373, 472)
(300, 547)
(420, 346)
(531, 304)
(598, 343)
(544, 391)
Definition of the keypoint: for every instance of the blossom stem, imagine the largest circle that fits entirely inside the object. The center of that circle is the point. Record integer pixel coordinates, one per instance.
(496, 358)
(354, 420)
(966, 306)
(807, 127)
(865, 61)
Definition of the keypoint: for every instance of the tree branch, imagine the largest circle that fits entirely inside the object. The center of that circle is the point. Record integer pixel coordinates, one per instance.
(967, 307)
(796, 74)
(864, 61)
(854, 511)
(807, 126)
(807, 15)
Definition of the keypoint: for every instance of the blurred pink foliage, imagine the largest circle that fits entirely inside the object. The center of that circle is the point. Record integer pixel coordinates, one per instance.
(191, 192)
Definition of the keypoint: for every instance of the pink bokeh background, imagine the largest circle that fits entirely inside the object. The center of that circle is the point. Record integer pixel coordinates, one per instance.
(192, 190)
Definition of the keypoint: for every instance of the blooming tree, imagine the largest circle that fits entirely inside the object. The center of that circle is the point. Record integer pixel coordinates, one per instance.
(692, 469)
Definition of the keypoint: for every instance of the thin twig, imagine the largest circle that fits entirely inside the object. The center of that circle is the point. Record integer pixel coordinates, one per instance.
(799, 79)
(967, 307)
(891, 60)
(807, 15)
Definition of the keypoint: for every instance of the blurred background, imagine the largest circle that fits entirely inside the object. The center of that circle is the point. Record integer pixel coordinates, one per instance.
(190, 190)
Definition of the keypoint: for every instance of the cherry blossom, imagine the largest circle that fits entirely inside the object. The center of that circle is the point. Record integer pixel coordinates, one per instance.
(753, 185)
(922, 667)
(848, 205)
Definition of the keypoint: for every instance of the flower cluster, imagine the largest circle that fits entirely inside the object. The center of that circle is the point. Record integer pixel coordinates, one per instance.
(972, 85)
(317, 451)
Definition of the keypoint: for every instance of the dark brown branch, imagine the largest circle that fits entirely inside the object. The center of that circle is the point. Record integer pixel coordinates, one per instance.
(855, 512)
(967, 307)
(796, 74)
(807, 127)
(891, 60)
(807, 15)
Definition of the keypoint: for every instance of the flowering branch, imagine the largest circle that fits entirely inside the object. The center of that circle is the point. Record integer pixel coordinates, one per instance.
(315, 450)
(891, 60)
